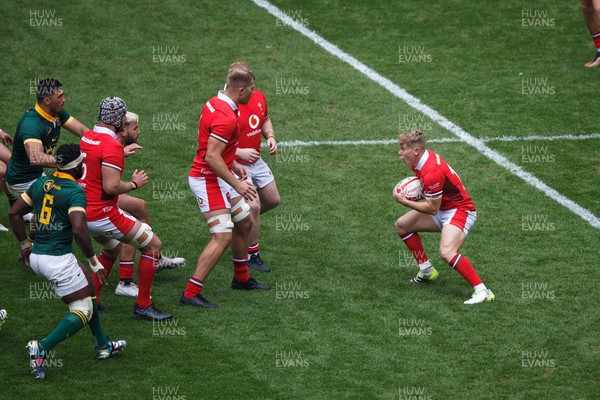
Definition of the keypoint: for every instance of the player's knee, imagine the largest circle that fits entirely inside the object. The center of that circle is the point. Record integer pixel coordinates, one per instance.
(142, 209)
(447, 254)
(240, 211)
(222, 240)
(400, 227)
(82, 308)
(272, 202)
(255, 206)
(154, 247)
(244, 225)
(145, 239)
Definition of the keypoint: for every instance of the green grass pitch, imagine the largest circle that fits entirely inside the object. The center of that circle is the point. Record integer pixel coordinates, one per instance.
(342, 321)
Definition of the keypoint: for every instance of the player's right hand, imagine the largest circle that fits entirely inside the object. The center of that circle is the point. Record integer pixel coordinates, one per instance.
(140, 178)
(102, 277)
(247, 190)
(399, 197)
(250, 155)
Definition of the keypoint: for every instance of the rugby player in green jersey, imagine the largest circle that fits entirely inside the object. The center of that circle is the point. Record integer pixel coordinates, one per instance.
(36, 137)
(58, 204)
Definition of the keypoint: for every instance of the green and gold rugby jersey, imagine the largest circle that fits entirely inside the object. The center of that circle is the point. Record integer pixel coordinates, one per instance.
(35, 125)
(53, 198)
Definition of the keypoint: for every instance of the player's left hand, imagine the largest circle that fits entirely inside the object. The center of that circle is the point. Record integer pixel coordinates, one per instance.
(272, 143)
(6, 138)
(25, 253)
(130, 150)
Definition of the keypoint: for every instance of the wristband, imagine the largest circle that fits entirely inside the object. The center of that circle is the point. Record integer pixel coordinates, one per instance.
(95, 264)
(25, 244)
(134, 184)
(269, 135)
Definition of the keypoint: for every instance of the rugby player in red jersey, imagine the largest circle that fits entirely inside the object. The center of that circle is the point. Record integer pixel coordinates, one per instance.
(254, 124)
(139, 209)
(4, 157)
(447, 209)
(220, 187)
(591, 16)
(107, 223)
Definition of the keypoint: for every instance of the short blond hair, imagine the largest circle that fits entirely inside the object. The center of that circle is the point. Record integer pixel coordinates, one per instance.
(241, 65)
(239, 75)
(131, 117)
(412, 139)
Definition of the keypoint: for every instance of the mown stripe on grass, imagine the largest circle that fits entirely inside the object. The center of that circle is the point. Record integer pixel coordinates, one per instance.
(416, 103)
(303, 143)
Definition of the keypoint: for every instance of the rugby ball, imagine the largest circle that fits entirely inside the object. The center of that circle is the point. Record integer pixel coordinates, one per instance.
(411, 187)
(2, 315)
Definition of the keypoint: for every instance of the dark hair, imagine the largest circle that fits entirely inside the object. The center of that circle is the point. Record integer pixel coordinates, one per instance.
(67, 153)
(46, 87)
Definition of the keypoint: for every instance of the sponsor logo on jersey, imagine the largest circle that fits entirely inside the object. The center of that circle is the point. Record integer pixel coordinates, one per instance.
(254, 132)
(90, 141)
(210, 107)
(253, 121)
(49, 185)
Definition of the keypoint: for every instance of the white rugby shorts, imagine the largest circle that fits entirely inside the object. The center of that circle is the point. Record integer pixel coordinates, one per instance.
(462, 219)
(112, 228)
(63, 271)
(15, 191)
(212, 193)
(260, 173)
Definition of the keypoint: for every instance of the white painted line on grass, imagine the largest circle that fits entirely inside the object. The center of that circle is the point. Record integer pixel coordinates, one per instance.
(432, 114)
(539, 137)
(303, 143)
(309, 143)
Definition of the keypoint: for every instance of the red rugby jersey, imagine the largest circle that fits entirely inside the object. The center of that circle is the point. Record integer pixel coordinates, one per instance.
(219, 119)
(101, 148)
(252, 117)
(439, 179)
